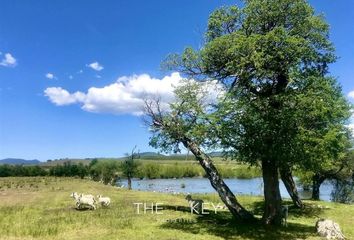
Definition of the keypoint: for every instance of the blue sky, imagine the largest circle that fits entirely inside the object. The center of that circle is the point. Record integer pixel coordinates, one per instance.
(62, 61)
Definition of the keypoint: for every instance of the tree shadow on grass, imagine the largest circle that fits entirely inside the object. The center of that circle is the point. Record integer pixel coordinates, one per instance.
(309, 211)
(221, 224)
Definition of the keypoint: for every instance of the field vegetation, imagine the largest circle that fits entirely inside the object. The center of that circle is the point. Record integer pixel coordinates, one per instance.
(40, 208)
(151, 168)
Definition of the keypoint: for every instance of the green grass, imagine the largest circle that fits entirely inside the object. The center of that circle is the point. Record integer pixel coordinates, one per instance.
(40, 208)
(179, 169)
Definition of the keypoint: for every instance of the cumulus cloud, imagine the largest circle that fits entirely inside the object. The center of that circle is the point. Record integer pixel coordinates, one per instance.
(49, 75)
(61, 97)
(95, 66)
(351, 128)
(351, 94)
(8, 61)
(125, 96)
(351, 123)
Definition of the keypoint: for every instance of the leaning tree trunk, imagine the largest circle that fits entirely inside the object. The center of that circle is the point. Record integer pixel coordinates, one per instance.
(317, 180)
(217, 182)
(287, 178)
(272, 209)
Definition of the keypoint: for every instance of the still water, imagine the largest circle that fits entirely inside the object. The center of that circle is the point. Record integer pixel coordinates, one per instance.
(252, 186)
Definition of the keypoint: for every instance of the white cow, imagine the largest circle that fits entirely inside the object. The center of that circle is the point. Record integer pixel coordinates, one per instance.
(84, 199)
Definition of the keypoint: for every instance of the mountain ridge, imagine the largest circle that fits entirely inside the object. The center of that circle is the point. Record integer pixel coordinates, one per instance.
(19, 161)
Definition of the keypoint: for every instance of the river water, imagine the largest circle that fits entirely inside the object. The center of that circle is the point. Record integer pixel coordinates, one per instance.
(252, 186)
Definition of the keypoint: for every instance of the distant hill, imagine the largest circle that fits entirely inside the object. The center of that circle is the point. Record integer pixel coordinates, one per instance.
(150, 154)
(18, 161)
(190, 155)
(215, 154)
(55, 162)
(179, 156)
(143, 156)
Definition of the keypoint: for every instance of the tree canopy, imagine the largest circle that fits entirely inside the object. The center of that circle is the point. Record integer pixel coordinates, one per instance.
(281, 109)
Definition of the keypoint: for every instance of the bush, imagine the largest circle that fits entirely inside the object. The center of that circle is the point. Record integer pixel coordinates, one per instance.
(21, 171)
(69, 170)
(105, 171)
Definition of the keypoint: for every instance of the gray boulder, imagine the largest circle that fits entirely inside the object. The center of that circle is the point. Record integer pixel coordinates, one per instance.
(328, 229)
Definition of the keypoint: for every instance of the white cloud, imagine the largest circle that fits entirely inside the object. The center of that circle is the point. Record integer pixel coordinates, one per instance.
(125, 96)
(60, 96)
(95, 66)
(8, 61)
(49, 75)
(351, 94)
(351, 124)
(351, 128)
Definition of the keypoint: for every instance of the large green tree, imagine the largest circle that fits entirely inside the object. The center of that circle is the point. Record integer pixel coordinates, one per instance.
(282, 109)
(339, 170)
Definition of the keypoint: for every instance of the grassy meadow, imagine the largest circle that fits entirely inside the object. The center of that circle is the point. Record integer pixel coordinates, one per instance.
(40, 208)
(180, 169)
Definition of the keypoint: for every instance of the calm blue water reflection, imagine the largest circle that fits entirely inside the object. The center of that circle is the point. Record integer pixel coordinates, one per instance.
(252, 186)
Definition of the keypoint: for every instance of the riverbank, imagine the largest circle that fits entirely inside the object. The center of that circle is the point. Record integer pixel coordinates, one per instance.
(40, 208)
(147, 168)
(187, 169)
